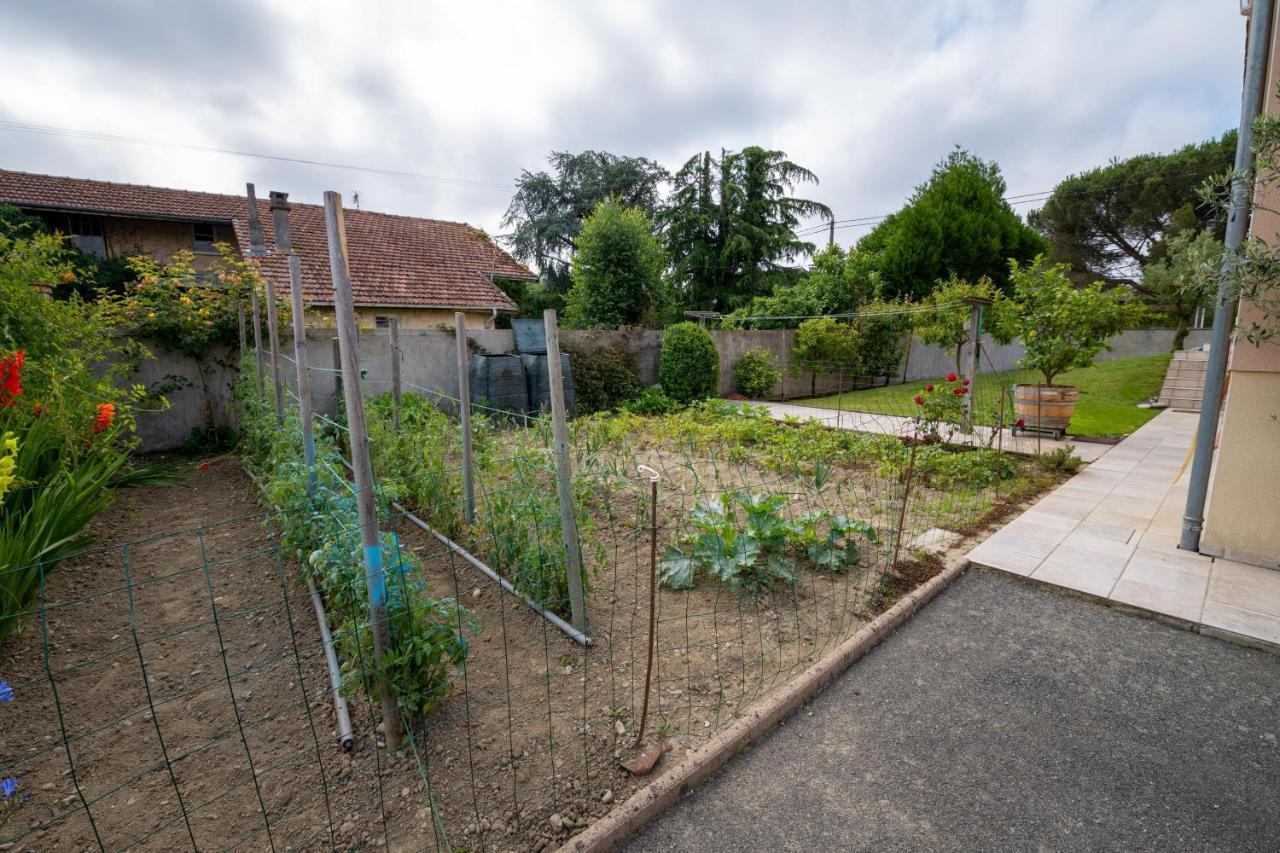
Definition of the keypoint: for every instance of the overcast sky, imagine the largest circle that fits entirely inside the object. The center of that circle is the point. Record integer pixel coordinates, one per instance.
(866, 94)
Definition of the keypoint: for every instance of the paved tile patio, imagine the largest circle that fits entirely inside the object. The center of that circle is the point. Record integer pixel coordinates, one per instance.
(895, 425)
(1112, 530)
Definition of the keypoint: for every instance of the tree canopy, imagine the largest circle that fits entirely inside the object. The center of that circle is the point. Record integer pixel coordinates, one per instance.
(617, 269)
(549, 207)
(730, 223)
(839, 282)
(956, 223)
(1110, 222)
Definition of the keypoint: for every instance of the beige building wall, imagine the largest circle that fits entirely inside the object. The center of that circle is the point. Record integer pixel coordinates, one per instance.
(1242, 521)
(410, 318)
(157, 239)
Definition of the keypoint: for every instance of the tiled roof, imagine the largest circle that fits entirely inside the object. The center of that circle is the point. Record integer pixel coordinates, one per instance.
(395, 260)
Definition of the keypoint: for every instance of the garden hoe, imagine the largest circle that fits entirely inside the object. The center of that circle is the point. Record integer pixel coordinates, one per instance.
(646, 755)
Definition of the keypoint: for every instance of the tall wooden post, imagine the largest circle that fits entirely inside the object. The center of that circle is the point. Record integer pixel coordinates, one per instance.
(362, 468)
(564, 475)
(464, 413)
(258, 249)
(393, 327)
(975, 304)
(244, 328)
(257, 342)
(337, 367)
(284, 243)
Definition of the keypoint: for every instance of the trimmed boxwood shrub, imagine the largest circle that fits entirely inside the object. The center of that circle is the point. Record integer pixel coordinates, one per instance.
(689, 368)
(754, 374)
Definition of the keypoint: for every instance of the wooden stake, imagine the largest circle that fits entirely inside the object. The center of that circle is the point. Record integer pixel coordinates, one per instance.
(258, 249)
(257, 343)
(362, 468)
(393, 326)
(564, 474)
(464, 413)
(244, 328)
(337, 367)
(284, 243)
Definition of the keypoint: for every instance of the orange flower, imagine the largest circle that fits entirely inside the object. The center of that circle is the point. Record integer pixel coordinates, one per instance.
(106, 414)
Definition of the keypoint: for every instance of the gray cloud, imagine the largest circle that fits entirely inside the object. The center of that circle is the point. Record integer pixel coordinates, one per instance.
(869, 96)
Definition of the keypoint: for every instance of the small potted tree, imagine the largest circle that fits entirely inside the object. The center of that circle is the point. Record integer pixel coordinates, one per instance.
(1062, 327)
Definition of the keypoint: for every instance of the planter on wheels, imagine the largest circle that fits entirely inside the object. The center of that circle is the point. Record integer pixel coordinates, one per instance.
(1044, 408)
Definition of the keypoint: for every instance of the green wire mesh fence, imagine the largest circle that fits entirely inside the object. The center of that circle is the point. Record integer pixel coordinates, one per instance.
(173, 692)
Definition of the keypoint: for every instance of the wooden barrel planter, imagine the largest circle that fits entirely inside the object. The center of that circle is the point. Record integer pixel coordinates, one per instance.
(1044, 408)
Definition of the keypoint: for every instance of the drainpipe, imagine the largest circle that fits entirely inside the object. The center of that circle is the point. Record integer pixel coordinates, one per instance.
(1224, 312)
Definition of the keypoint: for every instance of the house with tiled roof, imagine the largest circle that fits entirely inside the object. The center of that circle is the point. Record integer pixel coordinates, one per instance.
(418, 270)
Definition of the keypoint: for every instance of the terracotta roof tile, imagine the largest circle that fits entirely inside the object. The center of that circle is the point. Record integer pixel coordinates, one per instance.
(395, 260)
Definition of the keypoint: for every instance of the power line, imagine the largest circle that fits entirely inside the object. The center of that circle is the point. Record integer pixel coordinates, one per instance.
(72, 133)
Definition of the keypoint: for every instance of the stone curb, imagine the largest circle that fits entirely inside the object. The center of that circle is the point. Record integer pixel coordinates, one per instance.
(660, 794)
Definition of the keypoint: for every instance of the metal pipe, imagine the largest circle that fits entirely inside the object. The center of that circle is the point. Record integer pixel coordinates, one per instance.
(653, 592)
(345, 737)
(572, 632)
(1255, 68)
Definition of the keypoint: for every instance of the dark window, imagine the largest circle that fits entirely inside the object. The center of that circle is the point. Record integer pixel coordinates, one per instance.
(86, 232)
(203, 237)
(382, 322)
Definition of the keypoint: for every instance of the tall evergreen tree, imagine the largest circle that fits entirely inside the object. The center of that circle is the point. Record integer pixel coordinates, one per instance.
(1110, 222)
(730, 223)
(549, 207)
(957, 223)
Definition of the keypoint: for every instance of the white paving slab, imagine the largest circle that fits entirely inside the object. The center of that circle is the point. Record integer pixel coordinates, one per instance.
(1112, 532)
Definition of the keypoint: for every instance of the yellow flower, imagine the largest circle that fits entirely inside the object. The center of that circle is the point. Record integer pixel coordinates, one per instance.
(151, 315)
(8, 462)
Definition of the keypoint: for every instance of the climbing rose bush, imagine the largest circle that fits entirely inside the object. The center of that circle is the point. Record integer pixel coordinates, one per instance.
(940, 407)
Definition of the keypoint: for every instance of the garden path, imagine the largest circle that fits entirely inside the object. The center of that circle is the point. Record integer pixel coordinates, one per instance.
(1111, 532)
(896, 425)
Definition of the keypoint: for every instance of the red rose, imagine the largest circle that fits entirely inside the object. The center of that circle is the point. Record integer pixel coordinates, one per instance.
(966, 380)
(919, 400)
(929, 387)
(957, 391)
(1021, 422)
(951, 377)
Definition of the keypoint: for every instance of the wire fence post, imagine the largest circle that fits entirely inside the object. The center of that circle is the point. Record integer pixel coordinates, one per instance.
(257, 343)
(464, 412)
(284, 242)
(393, 328)
(362, 468)
(975, 349)
(564, 475)
(337, 369)
(258, 249)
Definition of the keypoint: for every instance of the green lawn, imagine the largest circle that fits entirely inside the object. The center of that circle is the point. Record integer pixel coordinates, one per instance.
(1109, 395)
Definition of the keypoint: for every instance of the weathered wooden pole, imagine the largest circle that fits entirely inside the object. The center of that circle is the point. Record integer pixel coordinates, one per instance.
(258, 249)
(375, 577)
(975, 304)
(564, 474)
(393, 327)
(337, 369)
(244, 328)
(284, 243)
(464, 414)
(257, 342)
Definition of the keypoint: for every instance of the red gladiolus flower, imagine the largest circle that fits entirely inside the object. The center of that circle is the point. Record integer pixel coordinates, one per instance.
(919, 400)
(106, 414)
(1020, 422)
(11, 378)
(929, 387)
(951, 377)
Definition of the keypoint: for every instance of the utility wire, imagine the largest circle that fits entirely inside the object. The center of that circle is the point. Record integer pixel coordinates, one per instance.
(72, 133)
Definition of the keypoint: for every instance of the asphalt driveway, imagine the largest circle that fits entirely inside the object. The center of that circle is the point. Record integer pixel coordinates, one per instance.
(1007, 716)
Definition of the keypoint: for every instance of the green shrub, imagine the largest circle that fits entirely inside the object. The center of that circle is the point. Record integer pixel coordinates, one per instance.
(603, 378)
(754, 374)
(652, 401)
(689, 367)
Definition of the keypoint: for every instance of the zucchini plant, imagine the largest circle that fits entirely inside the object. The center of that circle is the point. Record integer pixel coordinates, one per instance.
(759, 551)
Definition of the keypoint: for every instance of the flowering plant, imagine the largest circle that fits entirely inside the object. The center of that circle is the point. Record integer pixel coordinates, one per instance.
(940, 406)
(11, 378)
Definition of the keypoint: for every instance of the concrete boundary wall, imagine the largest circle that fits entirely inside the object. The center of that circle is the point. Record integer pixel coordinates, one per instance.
(428, 362)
